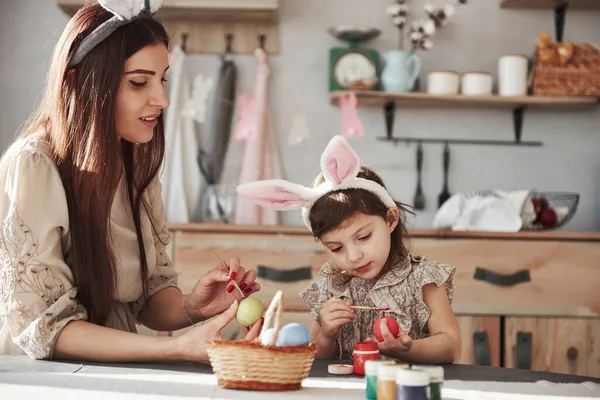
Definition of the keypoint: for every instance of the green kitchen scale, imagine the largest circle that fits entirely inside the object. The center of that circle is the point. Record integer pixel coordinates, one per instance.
(353, 67)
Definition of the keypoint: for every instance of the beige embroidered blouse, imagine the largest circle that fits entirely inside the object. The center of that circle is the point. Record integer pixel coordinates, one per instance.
(399, 289)
(37, 291)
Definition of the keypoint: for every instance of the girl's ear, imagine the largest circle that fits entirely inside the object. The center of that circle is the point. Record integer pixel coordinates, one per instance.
(393, 218)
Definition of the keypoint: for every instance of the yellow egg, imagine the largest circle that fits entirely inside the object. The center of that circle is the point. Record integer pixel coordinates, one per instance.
(249, 311)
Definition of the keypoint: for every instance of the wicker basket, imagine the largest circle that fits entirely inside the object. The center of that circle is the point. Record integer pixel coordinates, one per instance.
(243, 364)
(579, 77)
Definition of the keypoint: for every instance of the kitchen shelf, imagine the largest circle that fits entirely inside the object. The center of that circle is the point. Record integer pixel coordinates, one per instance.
(523, 4)
(419, 100)
(390, 101)
(206, 23)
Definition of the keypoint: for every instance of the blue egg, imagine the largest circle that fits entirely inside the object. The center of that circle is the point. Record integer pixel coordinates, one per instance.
(266, 337)
(293, 335)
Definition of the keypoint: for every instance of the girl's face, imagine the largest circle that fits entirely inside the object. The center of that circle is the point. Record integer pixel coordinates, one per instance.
(361, 245)
(142, 95)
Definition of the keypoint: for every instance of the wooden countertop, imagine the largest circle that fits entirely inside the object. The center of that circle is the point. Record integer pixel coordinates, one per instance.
(424, 233)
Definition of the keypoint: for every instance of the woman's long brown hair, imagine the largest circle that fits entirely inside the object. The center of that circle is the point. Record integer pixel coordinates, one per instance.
(336, 208)
(77, 112)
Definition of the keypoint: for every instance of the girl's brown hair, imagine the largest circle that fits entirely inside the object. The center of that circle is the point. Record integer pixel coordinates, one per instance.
(77, 112)
(333, 209)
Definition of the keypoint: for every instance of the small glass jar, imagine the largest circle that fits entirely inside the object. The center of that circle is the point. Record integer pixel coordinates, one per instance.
(386, 381)
(412, 385)
(436, 379)
(364, 351)
(371, 368)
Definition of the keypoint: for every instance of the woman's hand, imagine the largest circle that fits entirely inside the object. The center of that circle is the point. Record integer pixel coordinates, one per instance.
(214, 292)
(334, 314)
(191, 346)
(391, 346)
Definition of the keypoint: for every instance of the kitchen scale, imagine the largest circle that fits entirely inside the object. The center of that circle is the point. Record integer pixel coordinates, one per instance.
(353, 67)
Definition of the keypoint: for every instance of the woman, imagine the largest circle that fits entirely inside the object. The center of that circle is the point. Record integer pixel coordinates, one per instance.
(83, 236)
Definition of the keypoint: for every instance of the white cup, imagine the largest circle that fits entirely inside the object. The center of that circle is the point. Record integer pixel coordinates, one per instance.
(443, 82)
(512, 75)
(476, 84)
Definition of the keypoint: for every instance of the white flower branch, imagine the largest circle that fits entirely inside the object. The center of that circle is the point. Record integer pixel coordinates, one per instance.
(420, 31)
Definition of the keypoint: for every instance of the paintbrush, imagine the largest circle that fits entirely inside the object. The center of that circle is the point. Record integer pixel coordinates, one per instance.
(361, 307)
(233, 280)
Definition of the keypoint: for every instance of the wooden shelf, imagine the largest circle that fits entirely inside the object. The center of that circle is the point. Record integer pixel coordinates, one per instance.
(549, 3)
(207, 22)
(375, 98)
(225, 11)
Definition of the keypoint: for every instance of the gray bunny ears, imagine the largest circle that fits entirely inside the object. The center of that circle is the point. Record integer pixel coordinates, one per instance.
(125, 12)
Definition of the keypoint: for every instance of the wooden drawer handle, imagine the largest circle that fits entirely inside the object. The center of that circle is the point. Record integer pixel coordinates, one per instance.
(481, 348)
(572, 353)
(524, 340)
(494, 278)
(272, 274)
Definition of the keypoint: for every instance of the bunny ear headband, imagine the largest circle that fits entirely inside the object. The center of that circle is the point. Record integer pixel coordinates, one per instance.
(125, 12)
(340, 165)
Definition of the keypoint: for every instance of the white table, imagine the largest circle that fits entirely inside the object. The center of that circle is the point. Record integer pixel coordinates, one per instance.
(23, 378)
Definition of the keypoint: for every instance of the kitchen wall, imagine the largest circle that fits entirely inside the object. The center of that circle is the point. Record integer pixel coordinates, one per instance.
(477, 35)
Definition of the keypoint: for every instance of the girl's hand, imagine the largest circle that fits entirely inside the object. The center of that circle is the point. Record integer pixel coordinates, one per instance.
(391, 346)
(334, 314)
(214, 292)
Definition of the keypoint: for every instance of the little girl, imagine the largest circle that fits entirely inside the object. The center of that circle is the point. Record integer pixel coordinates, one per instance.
(352, 214)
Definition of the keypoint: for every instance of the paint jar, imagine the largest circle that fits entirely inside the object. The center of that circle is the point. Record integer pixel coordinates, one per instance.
(371, 368)
(364, 351)
(386, 381)
(436, 379)
(412, 385)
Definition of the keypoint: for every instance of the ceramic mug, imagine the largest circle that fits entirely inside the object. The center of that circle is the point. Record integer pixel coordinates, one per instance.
(476, 84)
(512, 75)
(442, 82)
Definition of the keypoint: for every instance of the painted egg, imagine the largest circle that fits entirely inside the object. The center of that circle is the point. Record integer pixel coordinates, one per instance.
(293, 334)
(249, 311)
(266, 337)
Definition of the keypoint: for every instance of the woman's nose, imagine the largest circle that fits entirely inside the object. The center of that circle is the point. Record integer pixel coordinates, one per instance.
(160, 98)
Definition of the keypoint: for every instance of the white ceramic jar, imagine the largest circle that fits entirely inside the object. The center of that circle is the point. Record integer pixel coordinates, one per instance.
(443, 82)
(512, 75)
(476, 84)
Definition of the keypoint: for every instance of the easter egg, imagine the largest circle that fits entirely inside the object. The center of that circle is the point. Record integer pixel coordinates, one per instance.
(293, 335)
(266, 337)
(392, 326)
(249, 311)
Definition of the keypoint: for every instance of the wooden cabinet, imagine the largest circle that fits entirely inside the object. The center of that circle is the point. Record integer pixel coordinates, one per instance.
(268, 253)
(551, 277)
(564, 345)
(540, 287)
(480, 337)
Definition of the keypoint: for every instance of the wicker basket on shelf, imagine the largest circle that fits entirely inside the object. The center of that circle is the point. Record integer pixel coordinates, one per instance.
(580, 76)
(243, 364)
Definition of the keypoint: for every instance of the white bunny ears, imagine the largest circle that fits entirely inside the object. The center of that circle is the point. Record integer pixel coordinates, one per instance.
(125, 11)
(340, 165)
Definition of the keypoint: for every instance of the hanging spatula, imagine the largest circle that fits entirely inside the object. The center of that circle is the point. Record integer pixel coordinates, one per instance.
(419, 201)
(445, 195)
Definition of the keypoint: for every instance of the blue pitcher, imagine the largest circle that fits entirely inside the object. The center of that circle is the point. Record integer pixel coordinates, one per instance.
(400, 71)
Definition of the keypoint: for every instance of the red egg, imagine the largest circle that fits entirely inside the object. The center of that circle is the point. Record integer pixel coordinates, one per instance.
(392, 326)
